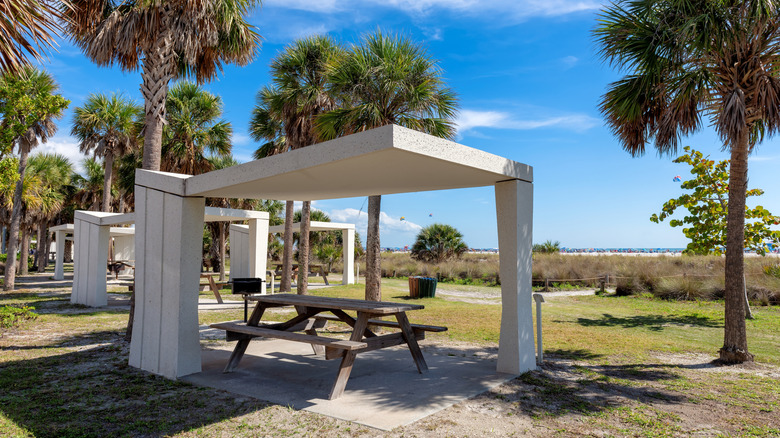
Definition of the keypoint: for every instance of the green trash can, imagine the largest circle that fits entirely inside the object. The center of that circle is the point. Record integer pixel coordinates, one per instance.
(428, 287)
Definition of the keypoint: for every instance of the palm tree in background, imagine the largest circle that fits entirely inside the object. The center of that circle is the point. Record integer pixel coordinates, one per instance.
(686, 60)
(27, 27)
(32, 82)
(168, 40)
(107, 126)
(52, 173)
(299, 96)
(194, 129)
(266, 125)
(89, 188)
(437, 243)
(387, 80)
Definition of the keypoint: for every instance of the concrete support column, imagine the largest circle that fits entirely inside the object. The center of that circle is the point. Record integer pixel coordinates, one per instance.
(59, 258)
(124, 247)
(168, 240)
(514, 211)
(258, 249)
(348, 255)
(239, 251)
(89, 264)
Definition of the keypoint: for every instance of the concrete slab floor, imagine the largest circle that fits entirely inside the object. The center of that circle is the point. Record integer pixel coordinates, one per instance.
(384, 390)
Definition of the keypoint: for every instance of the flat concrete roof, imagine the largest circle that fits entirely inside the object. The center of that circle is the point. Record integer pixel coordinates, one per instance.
(102, 218)
(315, 226)
(114, 231)
(385, 160)
(211, 214)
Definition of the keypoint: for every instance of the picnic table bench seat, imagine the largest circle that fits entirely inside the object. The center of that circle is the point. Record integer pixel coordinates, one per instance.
(393, 324)
(232, 327)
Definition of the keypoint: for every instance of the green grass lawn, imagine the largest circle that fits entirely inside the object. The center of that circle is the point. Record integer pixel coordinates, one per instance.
(66, 374)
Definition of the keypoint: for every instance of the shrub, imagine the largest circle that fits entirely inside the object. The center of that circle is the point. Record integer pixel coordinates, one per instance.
(11, 315)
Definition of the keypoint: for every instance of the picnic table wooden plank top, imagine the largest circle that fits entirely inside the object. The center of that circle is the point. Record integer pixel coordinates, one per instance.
(373, 307)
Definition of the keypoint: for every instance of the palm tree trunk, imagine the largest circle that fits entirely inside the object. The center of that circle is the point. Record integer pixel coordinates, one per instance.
(108, 168)
(735, 348)
(303, 249)
(373, 253)
(68, 256)
(158, 71)
(24, 250)
(42, 253)
(16, 220)
(285, 284)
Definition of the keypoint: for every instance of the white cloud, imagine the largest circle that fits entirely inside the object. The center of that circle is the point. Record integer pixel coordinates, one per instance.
(470, 119)
(66, 146)
(326, 6)
(761, 159)
(401, 230)
(569, 61)
(240, 138)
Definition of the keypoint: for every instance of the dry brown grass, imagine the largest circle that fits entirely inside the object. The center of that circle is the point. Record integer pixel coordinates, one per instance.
(686, 277)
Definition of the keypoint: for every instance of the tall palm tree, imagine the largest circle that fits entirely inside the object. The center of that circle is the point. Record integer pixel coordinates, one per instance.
(387, 80)
(89, 188)
(299, 96)
(27, 27)
(686, 60)
(32, 82)
(106, 125)
(194, 128)
(267, 125)
(53, 171)
(168, 40)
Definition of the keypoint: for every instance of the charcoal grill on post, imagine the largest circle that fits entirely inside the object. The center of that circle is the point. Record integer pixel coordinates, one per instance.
(246, 287)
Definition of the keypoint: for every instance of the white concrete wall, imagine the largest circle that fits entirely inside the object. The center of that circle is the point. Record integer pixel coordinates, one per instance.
(89, 264)
(514, 211)
(169, 235)
(348, 256)
(124, 247)
(239, 251)
(258, 249)
(59, 258)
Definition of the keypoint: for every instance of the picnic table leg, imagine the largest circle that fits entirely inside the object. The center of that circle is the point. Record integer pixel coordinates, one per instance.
(411, 340)
(349, 357)
(241, 345)
(215, 289)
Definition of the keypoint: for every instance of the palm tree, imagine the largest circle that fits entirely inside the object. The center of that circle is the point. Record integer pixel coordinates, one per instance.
(106, 125)
(53, 171)
(169, 40)
(89, 188)
(194, 127)
(387, 80)
(437, 243)
(266, 125)
(27, 27)
(684, 61)
(298, 97)
(34, 83)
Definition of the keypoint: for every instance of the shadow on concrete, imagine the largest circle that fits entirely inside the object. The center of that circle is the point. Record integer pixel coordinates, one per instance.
(384, 390)
(650, 322)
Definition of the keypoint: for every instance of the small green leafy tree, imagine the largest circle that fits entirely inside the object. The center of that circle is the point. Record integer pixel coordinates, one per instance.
(437, 243)
(708, 207)
(548, 247)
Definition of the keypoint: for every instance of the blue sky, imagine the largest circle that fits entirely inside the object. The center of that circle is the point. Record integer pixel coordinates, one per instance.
(529, 82)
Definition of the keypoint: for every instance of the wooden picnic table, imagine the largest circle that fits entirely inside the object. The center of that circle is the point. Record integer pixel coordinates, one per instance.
(213, 285)
(313, 267)
(309, 319)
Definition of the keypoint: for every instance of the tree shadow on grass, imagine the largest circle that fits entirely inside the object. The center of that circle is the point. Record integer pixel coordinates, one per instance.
(93, 392)
(650, 322)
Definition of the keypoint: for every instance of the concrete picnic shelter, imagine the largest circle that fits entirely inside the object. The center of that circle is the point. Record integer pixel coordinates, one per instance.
(387, 160)
(93, 229)
(239, 235)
